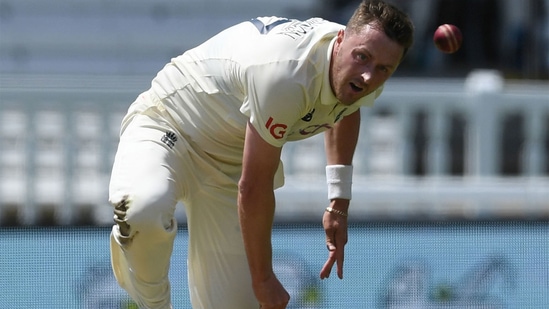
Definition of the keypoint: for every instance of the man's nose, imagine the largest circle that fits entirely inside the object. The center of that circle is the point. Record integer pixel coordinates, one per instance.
(367, 75)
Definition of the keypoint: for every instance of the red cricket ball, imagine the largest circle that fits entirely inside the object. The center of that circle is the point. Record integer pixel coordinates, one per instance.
(448, 38)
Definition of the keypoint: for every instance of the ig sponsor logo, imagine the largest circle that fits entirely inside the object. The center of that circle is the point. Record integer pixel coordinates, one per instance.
(277, 130)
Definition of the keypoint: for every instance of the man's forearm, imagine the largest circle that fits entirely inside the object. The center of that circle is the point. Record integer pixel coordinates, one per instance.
(340, 141)
(256, 213)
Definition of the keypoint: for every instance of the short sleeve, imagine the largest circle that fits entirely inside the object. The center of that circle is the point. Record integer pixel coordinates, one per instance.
(275, 101)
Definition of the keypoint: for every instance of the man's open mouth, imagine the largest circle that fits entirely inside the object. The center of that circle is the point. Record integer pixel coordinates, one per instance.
(355, 87)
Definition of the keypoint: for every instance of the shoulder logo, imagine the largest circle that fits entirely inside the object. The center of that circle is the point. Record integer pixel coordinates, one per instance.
(169, 139)
(265, 28)
(277, 130)
(309, 116)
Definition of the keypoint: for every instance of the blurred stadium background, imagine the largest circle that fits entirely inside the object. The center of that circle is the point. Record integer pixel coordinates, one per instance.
(451, 193)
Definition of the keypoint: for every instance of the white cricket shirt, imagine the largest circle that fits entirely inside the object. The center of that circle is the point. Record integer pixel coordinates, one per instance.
(270, 71)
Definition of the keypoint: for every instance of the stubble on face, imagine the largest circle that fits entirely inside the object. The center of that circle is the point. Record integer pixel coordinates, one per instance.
(362, 62)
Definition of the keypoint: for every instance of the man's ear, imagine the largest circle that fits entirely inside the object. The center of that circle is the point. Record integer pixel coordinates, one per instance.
(340, 35)
(339, 39)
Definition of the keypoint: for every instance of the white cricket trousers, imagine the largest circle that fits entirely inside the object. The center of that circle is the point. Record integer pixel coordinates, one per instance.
(153, 173)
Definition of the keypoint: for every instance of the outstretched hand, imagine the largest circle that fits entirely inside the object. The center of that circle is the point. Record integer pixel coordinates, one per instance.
(335, 226)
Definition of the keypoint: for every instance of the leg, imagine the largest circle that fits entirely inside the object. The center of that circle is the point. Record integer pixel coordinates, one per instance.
(218, 271)
(144, 193)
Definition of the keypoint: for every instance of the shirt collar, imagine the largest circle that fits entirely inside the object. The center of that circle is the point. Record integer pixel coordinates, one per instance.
(327, 96)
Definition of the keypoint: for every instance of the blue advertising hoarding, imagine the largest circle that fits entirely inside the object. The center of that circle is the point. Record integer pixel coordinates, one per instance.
(387, 266)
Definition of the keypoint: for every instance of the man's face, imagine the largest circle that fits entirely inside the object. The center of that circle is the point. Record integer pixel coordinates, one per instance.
(361, 62)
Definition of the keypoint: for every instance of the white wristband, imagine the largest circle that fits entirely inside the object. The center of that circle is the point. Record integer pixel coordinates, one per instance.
(339, 178)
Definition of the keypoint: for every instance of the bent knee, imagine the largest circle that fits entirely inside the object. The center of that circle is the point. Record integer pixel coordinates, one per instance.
(135, 213)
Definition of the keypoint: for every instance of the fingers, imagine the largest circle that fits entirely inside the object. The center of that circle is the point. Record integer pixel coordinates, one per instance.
(339, 259)
(327, 268)
(335, 256)
(336, 239)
